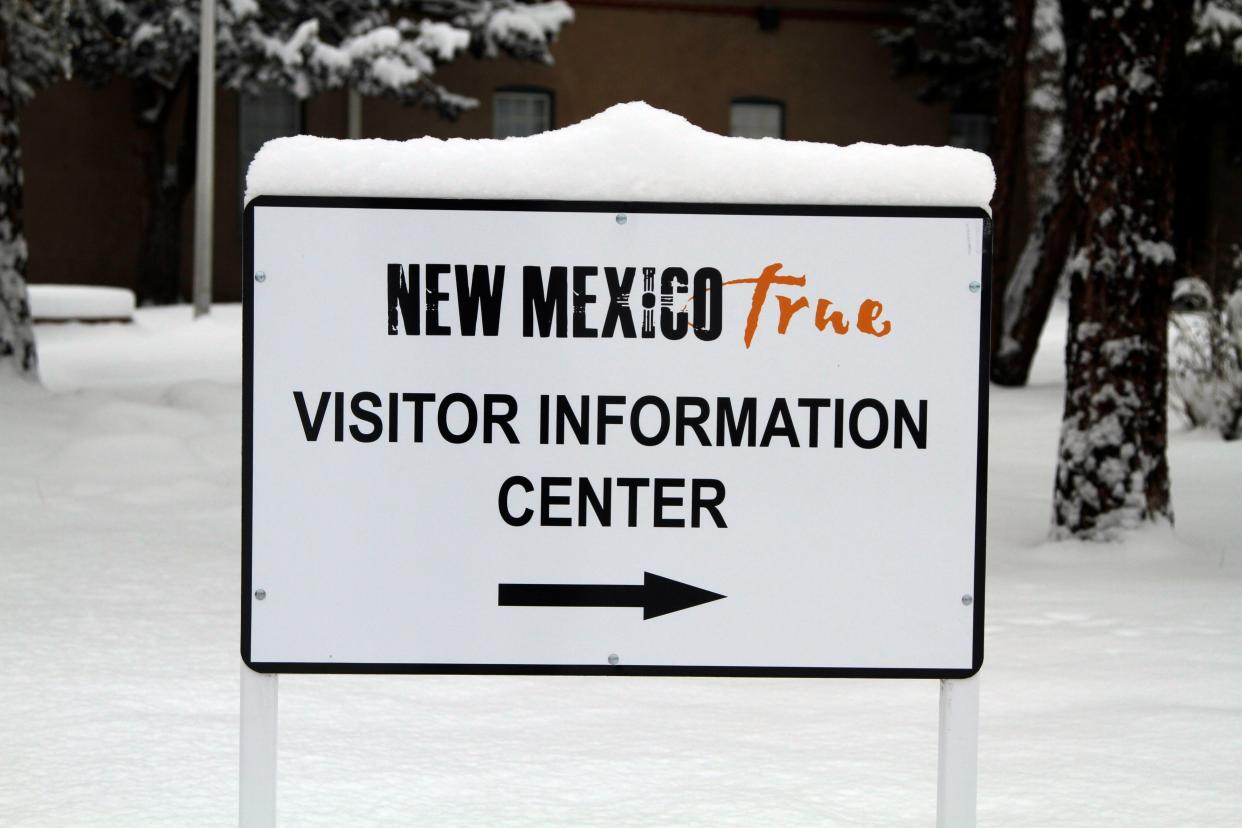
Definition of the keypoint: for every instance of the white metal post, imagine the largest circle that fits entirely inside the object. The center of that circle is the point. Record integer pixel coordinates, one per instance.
(257, 788)
(958, 765)
(204, 178)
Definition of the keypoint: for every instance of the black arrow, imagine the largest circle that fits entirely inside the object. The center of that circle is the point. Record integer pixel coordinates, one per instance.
(657, 596)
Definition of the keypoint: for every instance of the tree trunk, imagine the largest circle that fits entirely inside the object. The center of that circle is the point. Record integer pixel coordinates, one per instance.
(1032, 287)
(17, 343)
(1021, 307)
(1122, 60)
(167, 184)
(1010, 114)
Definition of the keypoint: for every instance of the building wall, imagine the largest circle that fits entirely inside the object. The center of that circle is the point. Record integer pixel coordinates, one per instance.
(85, 200)
(83, 171)
(85, 196)
(834, 78)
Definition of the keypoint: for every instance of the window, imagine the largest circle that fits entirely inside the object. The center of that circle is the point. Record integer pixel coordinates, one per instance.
(757, 118)
(970, 131)
(518, 112)
(273, 113)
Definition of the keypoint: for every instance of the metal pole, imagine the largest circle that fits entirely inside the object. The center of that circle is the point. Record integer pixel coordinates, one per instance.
(958, 771)
(354, 115)
(204, 179)
(257, 788)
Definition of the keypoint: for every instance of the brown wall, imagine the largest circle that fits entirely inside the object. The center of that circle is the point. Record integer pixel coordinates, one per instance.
(85, 200)
(83, 176)
(85, 197)
(834, 78)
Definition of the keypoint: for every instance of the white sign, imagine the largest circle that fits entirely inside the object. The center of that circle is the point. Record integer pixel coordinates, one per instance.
(591, 438)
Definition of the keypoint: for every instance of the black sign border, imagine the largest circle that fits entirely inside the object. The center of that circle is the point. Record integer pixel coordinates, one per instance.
(611, 207)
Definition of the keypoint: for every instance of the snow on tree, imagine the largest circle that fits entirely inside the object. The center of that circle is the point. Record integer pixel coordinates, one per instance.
(377, 47)
(1212, 79)
(1218, 28)
(1205, 352)
(1122, 61)
(380, 47)
(1205, 358)
(1045, 102)
(34, 51)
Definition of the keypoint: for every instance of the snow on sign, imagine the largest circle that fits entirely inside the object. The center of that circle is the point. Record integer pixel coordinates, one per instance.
(598, 438)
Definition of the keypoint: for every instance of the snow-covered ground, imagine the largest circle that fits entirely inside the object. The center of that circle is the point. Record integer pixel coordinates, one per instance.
(1111, 692)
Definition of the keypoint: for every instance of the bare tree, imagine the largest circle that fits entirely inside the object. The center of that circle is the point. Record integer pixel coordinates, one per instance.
(1007, 148)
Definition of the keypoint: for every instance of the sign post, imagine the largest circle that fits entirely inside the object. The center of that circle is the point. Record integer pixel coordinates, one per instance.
(257, 779)
(958, 756)
(205, 158)
(516, 437)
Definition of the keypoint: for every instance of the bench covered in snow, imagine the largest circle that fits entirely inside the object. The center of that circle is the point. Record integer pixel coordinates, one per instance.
(80, 303)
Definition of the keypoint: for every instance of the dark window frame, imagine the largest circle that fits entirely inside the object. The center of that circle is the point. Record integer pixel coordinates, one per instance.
(965, 125)
(243, 158)
(529, 89)
(764, 100)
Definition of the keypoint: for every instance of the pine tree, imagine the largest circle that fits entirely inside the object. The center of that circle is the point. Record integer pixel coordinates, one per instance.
(385, 48)
(34, 51)
(1123, 61)
(958, 47)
